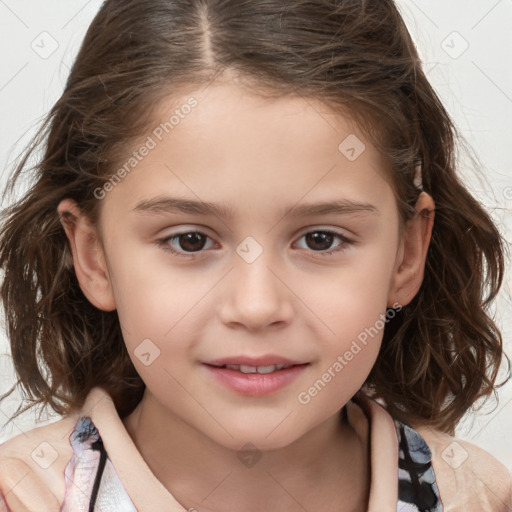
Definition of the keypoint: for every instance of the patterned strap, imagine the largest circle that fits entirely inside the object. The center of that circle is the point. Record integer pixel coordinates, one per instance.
(417, 486)
(92, 482)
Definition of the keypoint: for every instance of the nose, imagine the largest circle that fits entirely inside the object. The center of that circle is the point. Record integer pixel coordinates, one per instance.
(256, 296)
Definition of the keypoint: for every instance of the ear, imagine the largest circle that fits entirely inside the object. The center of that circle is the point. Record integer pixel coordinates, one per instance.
(88, 256)
(412, 254)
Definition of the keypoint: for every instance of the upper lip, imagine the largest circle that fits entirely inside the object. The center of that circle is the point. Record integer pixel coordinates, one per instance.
(267, 360)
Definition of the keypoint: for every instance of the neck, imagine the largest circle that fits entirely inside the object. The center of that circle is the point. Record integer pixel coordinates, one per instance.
(326, 469)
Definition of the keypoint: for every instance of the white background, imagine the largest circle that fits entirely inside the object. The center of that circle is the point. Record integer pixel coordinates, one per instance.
(465, 46)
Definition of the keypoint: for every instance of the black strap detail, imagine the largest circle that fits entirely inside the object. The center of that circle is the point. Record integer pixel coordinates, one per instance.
(415, 492)
(97, 446)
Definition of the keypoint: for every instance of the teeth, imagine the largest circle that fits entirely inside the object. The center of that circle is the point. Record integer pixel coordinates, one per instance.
(256, 369)
(266, 369)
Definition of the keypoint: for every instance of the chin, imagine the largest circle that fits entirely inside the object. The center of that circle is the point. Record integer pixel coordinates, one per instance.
(262, 437)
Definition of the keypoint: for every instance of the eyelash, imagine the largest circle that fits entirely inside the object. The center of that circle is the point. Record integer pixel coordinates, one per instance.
(164, 243)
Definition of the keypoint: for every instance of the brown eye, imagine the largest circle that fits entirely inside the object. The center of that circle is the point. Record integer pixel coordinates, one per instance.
(319, 240)
(325, 243)
(191, 242)
(185, 244)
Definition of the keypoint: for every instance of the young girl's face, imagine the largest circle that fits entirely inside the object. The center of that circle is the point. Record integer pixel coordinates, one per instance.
(269, 277)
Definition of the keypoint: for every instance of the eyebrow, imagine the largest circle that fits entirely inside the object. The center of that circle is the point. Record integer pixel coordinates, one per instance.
(159, 205)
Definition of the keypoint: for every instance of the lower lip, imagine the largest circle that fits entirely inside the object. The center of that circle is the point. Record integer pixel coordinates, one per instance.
(256, 384)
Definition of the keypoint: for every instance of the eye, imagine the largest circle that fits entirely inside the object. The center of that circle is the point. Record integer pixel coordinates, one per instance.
(321, 240)
(183, 244)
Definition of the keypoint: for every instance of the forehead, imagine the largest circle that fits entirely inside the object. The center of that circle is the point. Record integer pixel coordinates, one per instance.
(222, 110)
(221, 142)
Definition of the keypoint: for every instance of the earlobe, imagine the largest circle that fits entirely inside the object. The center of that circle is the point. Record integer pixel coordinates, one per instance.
(88, 257)
(410, 264)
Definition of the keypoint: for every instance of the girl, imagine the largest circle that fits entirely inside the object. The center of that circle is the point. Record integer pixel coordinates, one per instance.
(316, 347)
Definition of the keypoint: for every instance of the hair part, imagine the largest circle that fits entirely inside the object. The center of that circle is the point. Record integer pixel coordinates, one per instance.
(439, 354)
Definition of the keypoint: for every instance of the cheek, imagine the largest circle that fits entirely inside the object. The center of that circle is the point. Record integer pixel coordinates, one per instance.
(352, 325)
(351, 298)
(351, 304)
(153, 296)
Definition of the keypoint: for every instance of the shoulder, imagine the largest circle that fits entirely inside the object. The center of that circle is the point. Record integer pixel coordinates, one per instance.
(32, 467)
(469, 478)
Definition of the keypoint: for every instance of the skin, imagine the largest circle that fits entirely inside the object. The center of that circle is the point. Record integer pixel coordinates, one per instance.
(257, 156)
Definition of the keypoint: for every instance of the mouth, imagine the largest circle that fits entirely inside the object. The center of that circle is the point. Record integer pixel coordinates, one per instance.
(262, 365)
(255, 376)
(243, 368)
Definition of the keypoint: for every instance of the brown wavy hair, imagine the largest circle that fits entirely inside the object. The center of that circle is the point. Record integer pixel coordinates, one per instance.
(439, 354)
